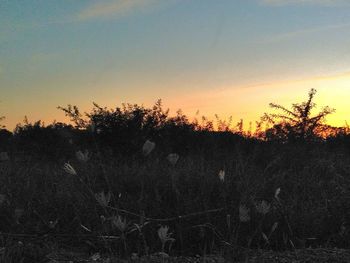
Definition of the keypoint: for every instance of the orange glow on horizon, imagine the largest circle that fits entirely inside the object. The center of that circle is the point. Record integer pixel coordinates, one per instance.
(244, 102)
(250, 102)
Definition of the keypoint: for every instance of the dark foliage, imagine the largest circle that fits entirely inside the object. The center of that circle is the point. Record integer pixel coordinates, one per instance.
(41, 198)
(298, 124)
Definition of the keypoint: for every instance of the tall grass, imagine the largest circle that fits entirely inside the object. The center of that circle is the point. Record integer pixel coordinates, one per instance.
(124, 188)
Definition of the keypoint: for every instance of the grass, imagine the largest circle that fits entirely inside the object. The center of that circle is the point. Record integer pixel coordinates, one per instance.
(134, 181)
(114, 205)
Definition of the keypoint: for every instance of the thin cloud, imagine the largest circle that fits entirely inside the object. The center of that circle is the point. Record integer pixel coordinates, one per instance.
(300, 33)
(344, 74)
(309, 2)
(113, 8)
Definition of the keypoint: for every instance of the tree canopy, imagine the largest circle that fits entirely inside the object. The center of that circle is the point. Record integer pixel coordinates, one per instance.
(297, 123)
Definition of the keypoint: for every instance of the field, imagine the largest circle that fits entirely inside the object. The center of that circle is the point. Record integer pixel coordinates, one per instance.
(134, 184)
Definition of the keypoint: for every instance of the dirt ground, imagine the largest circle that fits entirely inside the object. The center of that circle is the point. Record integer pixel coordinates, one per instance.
(252, 256)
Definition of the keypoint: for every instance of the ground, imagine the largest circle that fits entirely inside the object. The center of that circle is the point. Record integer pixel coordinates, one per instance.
(252, 256)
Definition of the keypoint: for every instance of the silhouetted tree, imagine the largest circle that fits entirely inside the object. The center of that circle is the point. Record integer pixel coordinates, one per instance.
(51, 141)
(75, 116)
(125, 128)
(297, 123)
(1, 119)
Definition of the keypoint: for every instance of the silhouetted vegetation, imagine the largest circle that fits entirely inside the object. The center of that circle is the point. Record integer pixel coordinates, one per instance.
(1, 119)
(298, 124)
(110, 180)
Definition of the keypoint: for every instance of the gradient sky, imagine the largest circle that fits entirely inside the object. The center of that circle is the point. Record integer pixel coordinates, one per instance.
(230, 57)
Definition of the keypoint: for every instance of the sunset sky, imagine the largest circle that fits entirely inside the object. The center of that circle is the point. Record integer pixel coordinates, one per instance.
(230, 57)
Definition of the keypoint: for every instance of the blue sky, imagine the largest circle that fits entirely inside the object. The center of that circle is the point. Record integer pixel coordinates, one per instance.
(230, 57)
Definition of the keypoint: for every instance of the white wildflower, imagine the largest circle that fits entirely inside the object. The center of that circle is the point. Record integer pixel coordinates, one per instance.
(263, 207)
(96, 257)
(164, 236)
(69, 169)
(274, 227)
(148, 147)
(278, 190)
(221, 175)
(120, 223)
(265, 237)
(52, 224)
(173, 158)
(103, 199)
(83, 156)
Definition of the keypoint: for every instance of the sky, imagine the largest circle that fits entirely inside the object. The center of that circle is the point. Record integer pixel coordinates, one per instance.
(225, 57)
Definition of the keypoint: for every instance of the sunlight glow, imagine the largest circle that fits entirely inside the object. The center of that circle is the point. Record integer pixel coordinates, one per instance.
(250, 102)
